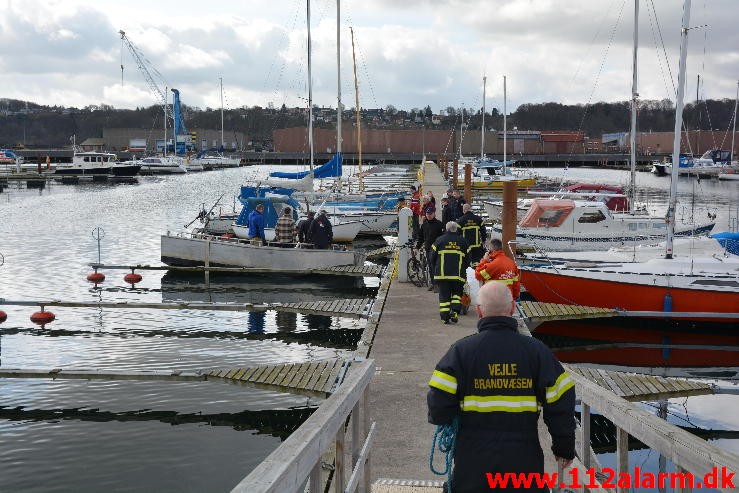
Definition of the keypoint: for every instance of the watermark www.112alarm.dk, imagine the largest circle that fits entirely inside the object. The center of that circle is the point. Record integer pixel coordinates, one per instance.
(718, 477)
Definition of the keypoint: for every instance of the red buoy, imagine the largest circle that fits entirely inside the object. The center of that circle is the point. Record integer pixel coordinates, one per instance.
(3, 316)
(132, 278)
(95, 277)
(42, 318)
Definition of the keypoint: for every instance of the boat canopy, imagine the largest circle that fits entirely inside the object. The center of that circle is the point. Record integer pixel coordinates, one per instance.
(547, 213)
(615, 202)
(273, 206)
(330, 169)
(728, 240)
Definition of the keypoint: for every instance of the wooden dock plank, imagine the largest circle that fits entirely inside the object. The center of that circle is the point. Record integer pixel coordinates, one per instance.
(303, 380)
(316, 374)
(328, 378)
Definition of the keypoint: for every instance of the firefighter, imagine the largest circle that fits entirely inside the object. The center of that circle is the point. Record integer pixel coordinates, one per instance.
(496, 266)
(474, 232)
(497, 381)
(449, 258)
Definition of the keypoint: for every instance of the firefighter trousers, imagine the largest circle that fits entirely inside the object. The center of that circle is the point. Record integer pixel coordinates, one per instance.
(450, 298)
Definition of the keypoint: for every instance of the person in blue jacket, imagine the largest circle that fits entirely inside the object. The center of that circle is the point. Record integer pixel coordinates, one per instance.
(497, 382)
(256, 223)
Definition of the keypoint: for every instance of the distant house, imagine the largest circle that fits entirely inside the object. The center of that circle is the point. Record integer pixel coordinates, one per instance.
(562, 142)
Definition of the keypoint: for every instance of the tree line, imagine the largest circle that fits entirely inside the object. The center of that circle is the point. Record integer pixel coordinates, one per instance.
(27, 124)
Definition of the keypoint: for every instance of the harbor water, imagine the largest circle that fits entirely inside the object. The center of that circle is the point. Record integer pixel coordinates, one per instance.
(89, 436)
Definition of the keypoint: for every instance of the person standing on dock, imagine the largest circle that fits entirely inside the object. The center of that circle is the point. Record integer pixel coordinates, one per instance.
(496, 382)
(415, 206)
(446, 211)
(449, 258)
(496, 266)
(304, 227)
(321, 232)
(455, 204)
(285, 227)
(474, 232)
(256, 223)
(431, 229)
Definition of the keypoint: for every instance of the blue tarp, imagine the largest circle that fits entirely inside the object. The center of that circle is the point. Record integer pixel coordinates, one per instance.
(251, 196)
(330, 169)
(730, 241)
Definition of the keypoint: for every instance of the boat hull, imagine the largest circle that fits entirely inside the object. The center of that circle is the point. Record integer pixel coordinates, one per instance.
(493, 184)
(631, 292)
(199, 250)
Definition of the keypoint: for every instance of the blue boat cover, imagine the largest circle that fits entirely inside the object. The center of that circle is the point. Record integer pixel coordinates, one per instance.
(328, 170)
(730, 241)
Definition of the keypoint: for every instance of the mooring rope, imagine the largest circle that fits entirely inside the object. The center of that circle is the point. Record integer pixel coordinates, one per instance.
(445, 438)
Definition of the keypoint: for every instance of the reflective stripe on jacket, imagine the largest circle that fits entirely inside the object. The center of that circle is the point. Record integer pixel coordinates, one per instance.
(449, 257)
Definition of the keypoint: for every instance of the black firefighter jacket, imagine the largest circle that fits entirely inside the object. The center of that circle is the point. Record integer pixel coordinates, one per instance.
(498, 381)
(449, 258)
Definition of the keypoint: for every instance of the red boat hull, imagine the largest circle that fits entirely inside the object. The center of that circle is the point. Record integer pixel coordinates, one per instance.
(571, 290)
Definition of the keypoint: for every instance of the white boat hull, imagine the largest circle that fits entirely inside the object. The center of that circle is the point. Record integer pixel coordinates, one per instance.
(343, 232)
(201, 249)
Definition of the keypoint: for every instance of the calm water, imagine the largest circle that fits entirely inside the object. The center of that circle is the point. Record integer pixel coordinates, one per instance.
(143, 436)
(166, 436)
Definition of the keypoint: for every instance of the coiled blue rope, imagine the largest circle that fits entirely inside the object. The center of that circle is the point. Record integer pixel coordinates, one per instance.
(445, 437)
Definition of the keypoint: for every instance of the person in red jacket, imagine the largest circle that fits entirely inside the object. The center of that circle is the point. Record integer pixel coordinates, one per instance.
(495, 266)
(415, 206)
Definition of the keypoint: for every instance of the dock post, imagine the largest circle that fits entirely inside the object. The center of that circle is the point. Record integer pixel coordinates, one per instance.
(508, 218)
(622, 455)
(339, 480)
(367, 475)
(468, 183)
(404, 219)
(455, 173)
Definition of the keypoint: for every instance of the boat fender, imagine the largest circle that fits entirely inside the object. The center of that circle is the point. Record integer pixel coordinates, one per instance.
(3, 316)
(227, 236)
(667, 303)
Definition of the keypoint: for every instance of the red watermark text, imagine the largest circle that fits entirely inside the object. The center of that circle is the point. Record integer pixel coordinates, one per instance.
(717, 478)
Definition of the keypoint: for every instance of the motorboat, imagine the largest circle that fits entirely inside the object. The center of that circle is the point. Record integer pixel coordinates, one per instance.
(611, 195)
(566, 224)
(96, 165)
(191, 249)
(161, 165)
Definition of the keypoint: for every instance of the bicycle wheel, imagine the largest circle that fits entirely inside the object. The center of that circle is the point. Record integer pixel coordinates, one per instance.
(414, 272)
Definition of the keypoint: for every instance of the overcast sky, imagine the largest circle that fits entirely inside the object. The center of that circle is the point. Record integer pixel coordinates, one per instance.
(410, 53)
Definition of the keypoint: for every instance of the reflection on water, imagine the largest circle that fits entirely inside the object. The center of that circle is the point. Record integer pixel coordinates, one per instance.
(119, 436)
(629, 343)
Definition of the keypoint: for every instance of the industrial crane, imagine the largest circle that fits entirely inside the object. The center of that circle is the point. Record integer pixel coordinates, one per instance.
(147, 69)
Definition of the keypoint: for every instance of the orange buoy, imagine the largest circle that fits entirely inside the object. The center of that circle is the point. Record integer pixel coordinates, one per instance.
(3, 316)
(132, 278)
(95, 277)
(42, 318)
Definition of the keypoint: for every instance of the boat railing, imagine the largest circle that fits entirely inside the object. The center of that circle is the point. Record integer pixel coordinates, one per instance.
(299, 459)
(694, 458)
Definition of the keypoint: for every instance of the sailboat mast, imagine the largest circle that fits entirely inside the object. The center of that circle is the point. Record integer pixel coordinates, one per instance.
(505, 126)
(359, 121)
(310, 93)
(338, 77)
(482, 136)
(679, 104)
(733, 132)
(222, 143)
(165, 121)
(634, 102)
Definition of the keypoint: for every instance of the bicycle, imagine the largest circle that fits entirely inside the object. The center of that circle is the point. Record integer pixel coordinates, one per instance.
(417, 266)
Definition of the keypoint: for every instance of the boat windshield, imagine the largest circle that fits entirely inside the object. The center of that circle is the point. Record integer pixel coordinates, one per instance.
(547, 213)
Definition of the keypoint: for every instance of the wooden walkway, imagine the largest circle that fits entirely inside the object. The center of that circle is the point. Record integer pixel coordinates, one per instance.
(342, 270)
(348, 308)
(634, 387)
(536, 312)
(317, 378)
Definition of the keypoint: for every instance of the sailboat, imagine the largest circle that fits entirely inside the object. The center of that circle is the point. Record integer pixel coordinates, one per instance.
(215, 161)
(198, 248)
(490, 173)
(702, 288)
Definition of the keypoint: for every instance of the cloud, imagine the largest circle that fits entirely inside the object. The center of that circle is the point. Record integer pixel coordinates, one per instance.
(409, 54)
